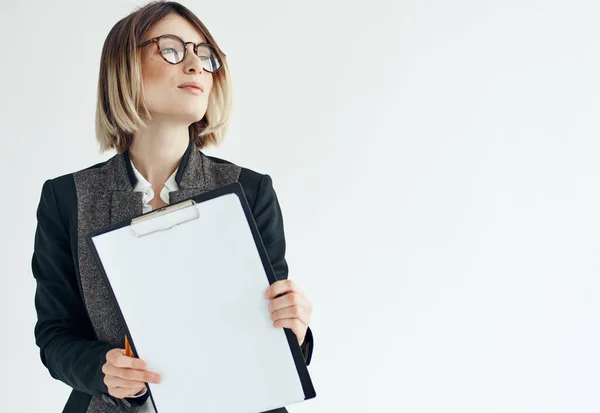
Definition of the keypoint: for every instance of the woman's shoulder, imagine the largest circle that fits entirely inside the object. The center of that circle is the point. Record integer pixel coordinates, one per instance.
(256, 184)
(59, 192)
(65, 184)
(246, 174)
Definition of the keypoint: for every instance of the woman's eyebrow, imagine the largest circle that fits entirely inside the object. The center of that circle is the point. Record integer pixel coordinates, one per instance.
(185, 40)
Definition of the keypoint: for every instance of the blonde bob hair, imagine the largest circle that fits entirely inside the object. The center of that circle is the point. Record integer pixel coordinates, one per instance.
(121, 109)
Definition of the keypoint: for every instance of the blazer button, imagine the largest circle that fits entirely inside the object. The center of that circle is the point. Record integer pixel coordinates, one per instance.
(109, 400)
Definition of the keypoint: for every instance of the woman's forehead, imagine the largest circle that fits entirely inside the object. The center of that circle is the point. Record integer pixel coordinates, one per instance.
(179, 26)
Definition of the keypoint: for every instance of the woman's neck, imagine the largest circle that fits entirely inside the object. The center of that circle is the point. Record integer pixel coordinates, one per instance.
(157, 151)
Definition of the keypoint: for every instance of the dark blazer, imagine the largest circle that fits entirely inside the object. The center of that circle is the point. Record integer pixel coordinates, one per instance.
(77, 320)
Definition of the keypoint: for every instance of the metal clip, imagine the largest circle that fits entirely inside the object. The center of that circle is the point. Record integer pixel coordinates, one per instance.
(165, 218)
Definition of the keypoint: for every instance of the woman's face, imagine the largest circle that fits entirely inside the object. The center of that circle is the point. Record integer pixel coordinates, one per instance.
(164, 98)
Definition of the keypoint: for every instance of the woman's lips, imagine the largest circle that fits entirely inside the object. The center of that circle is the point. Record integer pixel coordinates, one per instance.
(192, 89)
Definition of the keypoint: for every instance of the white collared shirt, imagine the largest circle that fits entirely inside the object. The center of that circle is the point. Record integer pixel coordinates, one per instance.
(146, 188)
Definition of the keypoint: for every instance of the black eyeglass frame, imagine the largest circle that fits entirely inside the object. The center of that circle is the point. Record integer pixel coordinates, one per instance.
(184, 43)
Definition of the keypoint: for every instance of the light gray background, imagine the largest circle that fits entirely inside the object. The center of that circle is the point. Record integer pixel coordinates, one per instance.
(437, 167)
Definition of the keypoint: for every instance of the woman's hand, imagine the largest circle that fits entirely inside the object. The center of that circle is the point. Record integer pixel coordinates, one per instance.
(289, 307)
(126, 376)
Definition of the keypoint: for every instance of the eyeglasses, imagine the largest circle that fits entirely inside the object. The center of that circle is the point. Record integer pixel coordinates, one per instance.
(173, 50)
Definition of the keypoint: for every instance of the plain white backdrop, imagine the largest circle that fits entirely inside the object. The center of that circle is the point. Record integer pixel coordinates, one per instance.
(437, 167)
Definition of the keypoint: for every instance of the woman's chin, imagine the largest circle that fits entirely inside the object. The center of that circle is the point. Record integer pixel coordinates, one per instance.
(190, 118)
(194, 115)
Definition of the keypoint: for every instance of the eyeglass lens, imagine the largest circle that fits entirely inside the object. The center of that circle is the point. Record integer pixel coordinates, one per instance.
(173, 50)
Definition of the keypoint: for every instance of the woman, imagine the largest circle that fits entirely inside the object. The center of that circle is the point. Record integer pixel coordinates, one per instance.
(163, 94)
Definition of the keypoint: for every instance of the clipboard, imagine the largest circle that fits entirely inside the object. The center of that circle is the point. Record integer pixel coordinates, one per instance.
(188, 280)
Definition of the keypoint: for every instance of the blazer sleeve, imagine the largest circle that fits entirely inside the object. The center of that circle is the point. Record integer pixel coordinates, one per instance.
(269, 220)
(63, 331)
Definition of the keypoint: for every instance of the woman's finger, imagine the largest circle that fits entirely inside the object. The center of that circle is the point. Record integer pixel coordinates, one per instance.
(130, 374)
(282, 287)
(288, 300)
(114, 381)
(295, 325)
(119, 359)
(291, 312)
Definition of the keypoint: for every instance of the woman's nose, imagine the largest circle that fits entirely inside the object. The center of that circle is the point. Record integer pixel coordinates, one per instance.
(192, 62)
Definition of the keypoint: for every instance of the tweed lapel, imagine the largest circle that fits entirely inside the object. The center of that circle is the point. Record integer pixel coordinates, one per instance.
(104, 196)
(198, 174)
(125, 202)
(190, 176)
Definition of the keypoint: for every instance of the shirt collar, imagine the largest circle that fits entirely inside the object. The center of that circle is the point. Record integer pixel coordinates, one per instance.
(142, 184)
(187, 176)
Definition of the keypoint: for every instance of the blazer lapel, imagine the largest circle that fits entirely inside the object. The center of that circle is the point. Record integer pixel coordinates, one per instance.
(198, 174)
(191, 177)
(125, 202)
